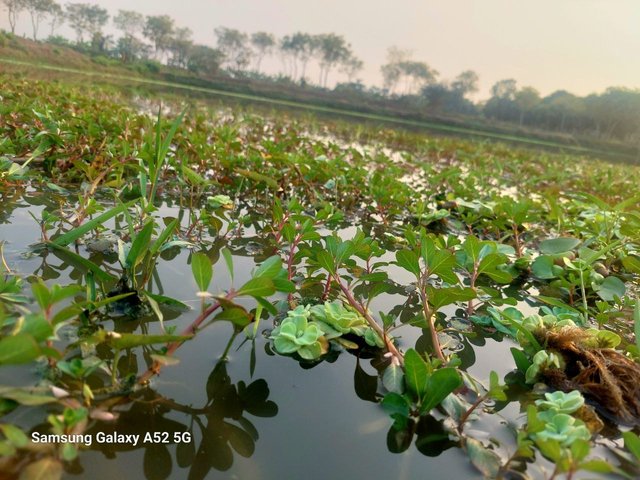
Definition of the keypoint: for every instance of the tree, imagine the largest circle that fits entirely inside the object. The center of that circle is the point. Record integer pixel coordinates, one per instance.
(158, 29)
(86, 18)
(38, 10)
(526, 99)
(204, 60)
(56, 17)
(417, 75)
(234, 45)
(263, 44)
(332, 49)
(130, 48)
(13, 7)
(466, 82)
(350, 67)
(560, 110)
(501, 105)
(129, 22)
(504, 89)
(298, 48)
(399, 66)
(179, 46)
(441, 97)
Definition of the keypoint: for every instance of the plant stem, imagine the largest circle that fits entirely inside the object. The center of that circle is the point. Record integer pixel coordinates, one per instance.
(469, 411)
(428, 316)
(372, 323)
(155, 368)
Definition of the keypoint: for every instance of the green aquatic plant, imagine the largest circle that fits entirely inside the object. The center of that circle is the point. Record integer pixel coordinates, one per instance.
(563, 429)
(560, 402)
(296, 334)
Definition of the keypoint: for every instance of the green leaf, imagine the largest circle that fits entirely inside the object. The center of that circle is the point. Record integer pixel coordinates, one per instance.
(482, 458)
(192, 176)
(163, 237)
(26, 397)
(140, 245)
(441, 383)
(556, 303)
(610, 288)
(161, 299)
(598, 466)
(16, 436)
(17, 349)
(202, 270)
(76, 233)
(392, 379)
(394, 403)
(258, 287)
(37, 327)
(631, 263)
(81, 263)
(559, 245)
(521, 359)
(228, 258)
(326, 261)
(258, 177)
(442, 263)
(544, 268)
(41, 294)
(408, 260)
(416, 372)
(236, 315)
(270, 268)
(632, 443)
(496, 391)
(580, 449)
(439, 297)
(132, 340)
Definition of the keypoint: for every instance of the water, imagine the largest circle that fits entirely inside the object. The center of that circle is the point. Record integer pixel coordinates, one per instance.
(251, 413)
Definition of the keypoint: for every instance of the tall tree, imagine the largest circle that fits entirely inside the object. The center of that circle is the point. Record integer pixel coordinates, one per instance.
(234, 44)
(332, 49)
(400, 67)
(466, 82)
(526, 99)
(504, 89)
(13, 8)
(179, 47)
(56, 17)
(38, 10)
(263, 44)
(159, 29)
(204, 60)
(86, 18)
(299, 48)
(351, 66)
(129, 22)
(130, 48)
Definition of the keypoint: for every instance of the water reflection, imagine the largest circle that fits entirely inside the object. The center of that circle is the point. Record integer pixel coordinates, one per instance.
(218, 430)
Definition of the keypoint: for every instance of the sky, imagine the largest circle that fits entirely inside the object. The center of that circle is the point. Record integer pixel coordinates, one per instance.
(582, 46)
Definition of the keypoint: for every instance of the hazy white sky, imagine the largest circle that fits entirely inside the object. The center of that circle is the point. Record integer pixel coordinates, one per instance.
(578, 45)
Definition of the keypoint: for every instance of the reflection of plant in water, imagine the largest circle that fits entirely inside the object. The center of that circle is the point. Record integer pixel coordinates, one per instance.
(214, 431)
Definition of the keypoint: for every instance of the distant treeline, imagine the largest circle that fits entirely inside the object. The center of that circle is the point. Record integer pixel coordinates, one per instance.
(407, 83)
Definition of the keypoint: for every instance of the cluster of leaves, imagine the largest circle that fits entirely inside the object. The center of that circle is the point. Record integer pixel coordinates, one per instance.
(307, 330)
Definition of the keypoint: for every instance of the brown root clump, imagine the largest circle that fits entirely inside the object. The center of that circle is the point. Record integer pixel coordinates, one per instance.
(603, 375)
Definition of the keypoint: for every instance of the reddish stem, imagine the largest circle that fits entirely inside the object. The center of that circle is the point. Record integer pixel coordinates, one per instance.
(155, 368)
(372, 323)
